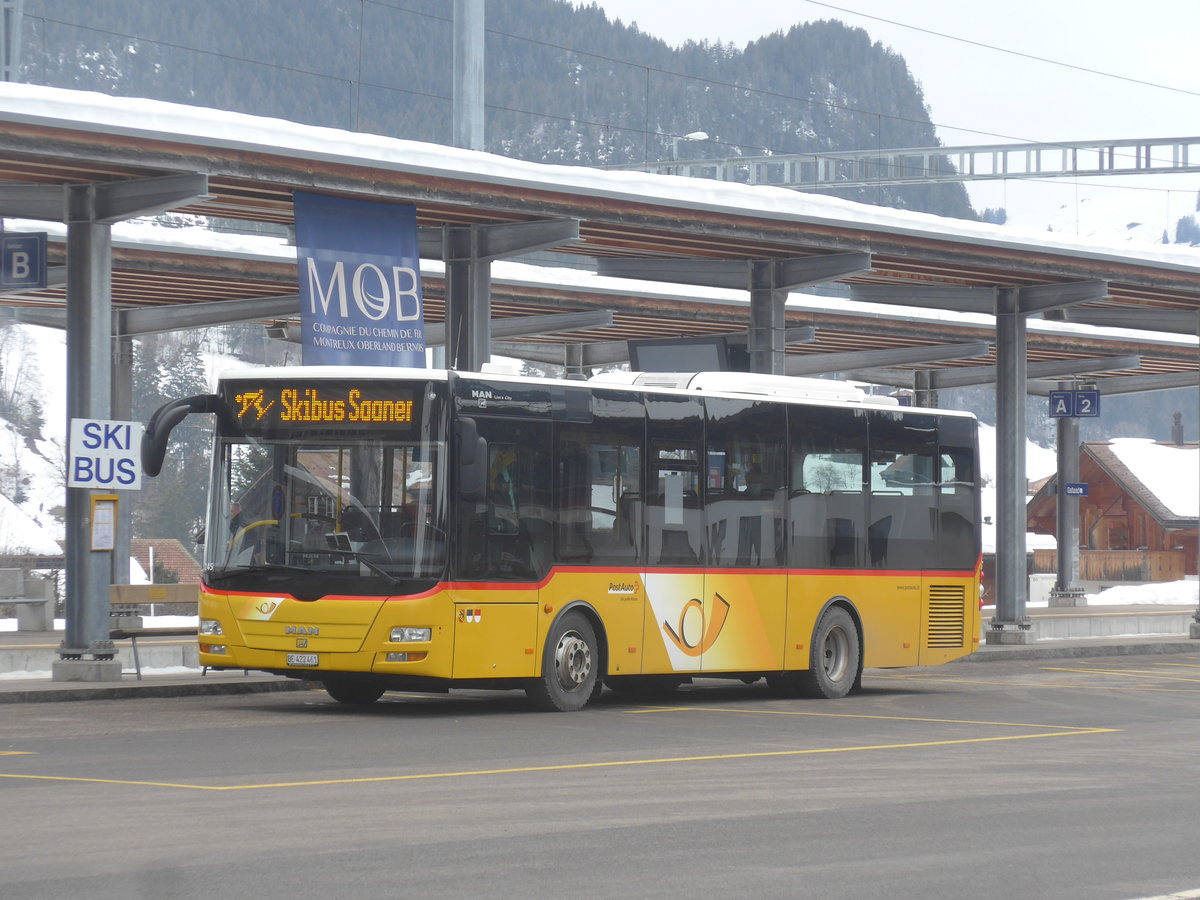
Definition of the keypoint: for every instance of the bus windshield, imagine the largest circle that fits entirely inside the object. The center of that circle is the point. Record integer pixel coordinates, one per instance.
(312, 510)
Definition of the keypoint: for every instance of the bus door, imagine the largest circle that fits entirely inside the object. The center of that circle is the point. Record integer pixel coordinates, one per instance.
(504, 549)
(600, 522)
(745, 578)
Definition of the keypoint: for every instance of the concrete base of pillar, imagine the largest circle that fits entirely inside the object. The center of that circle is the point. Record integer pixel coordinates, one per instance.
(1194, 629)
(1068, 597)
(999, 632)
(86, 670)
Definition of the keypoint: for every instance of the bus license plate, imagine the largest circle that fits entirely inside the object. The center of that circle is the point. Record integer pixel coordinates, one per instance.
(302, 659)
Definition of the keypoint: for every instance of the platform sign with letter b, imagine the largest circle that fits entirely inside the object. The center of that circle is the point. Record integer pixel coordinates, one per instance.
(23, 261)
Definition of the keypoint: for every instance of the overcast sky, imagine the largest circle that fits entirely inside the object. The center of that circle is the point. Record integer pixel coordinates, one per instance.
(978, 95)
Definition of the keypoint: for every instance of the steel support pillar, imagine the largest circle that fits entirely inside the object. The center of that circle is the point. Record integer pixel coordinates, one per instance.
(122, 410)
(1194, 626)
(468, 74)
(1066, 513)
(765, 341)
(468, 252)
(924, 393)
(1010, 625)
(573, 359)
(468, 301)
(86, 650)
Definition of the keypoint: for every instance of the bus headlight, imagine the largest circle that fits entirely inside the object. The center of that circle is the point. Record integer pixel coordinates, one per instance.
(218, 649)
(211, 626)
(405, 634)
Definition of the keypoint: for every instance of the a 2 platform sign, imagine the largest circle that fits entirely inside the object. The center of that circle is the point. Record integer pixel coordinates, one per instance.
(1081, 404)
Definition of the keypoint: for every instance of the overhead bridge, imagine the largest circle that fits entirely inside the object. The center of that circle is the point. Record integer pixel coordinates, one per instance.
(982, 162)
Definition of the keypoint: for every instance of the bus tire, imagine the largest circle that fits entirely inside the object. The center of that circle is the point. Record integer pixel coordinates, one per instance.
(353, 691)
(834, 657)
(570, 666)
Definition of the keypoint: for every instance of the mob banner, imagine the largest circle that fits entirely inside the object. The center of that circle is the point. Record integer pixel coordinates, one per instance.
(360, 284)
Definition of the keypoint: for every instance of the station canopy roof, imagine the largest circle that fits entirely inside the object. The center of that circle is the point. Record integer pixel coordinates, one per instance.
(253, 166)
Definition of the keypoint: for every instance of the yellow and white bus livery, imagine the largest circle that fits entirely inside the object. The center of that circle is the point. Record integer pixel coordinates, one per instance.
(403, 529)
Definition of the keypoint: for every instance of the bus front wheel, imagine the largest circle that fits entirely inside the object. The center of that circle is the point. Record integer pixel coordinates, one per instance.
(353, 691)
(834, 657)
(569, 666)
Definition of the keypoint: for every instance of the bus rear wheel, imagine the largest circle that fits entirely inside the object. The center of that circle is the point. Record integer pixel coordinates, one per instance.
(833, 659)
(569, 666)
(353, 691)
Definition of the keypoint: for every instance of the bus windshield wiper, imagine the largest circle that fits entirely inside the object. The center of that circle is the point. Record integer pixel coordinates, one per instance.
(378, 570)
(264, 567)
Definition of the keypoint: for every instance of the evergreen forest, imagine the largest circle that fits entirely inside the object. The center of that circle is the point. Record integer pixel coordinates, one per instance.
(564, 84)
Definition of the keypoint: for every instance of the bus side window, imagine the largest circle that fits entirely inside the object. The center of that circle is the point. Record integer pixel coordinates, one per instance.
(826, 505)
(599, 485)
(958, 509)
(674, 516)
(743, 505)
(903, 499)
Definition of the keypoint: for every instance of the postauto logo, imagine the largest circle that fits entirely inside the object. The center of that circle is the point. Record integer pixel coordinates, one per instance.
(693, 635)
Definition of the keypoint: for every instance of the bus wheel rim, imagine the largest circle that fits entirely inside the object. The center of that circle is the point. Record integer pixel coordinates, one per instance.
(836, 654)
(572, 661)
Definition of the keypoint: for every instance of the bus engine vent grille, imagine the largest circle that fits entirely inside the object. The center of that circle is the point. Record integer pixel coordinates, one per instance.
(947, 616)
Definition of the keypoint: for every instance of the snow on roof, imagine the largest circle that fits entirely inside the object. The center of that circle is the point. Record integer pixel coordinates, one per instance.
(1169, 472)
(103, 114)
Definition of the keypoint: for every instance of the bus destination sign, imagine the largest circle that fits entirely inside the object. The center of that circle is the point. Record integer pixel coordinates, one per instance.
(278, 405)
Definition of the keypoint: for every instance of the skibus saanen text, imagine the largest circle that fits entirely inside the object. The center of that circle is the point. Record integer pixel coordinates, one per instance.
(378, 529)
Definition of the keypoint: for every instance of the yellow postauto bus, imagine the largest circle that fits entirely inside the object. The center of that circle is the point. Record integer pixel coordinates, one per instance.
(404, 529)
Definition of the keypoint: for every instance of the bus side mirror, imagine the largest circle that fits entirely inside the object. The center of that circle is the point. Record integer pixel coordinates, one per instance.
(166, 417)
(158, 432)
(472, 461)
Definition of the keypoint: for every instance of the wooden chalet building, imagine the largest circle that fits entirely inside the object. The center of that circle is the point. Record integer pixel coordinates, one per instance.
(1138, 522)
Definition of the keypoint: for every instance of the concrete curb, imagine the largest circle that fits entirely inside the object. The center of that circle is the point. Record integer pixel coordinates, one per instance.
(57, 692)
(1082, 649)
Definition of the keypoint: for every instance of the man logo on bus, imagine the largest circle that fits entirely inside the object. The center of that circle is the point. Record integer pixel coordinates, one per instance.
(694, 636)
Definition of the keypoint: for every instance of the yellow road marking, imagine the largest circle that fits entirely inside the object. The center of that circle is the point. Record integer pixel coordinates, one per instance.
(1046, 684)
(16, 753)
(823, 715)
(565, 767)
(1124, 673)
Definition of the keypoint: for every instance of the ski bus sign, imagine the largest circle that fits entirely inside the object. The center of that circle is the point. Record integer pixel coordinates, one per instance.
(105, 455)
